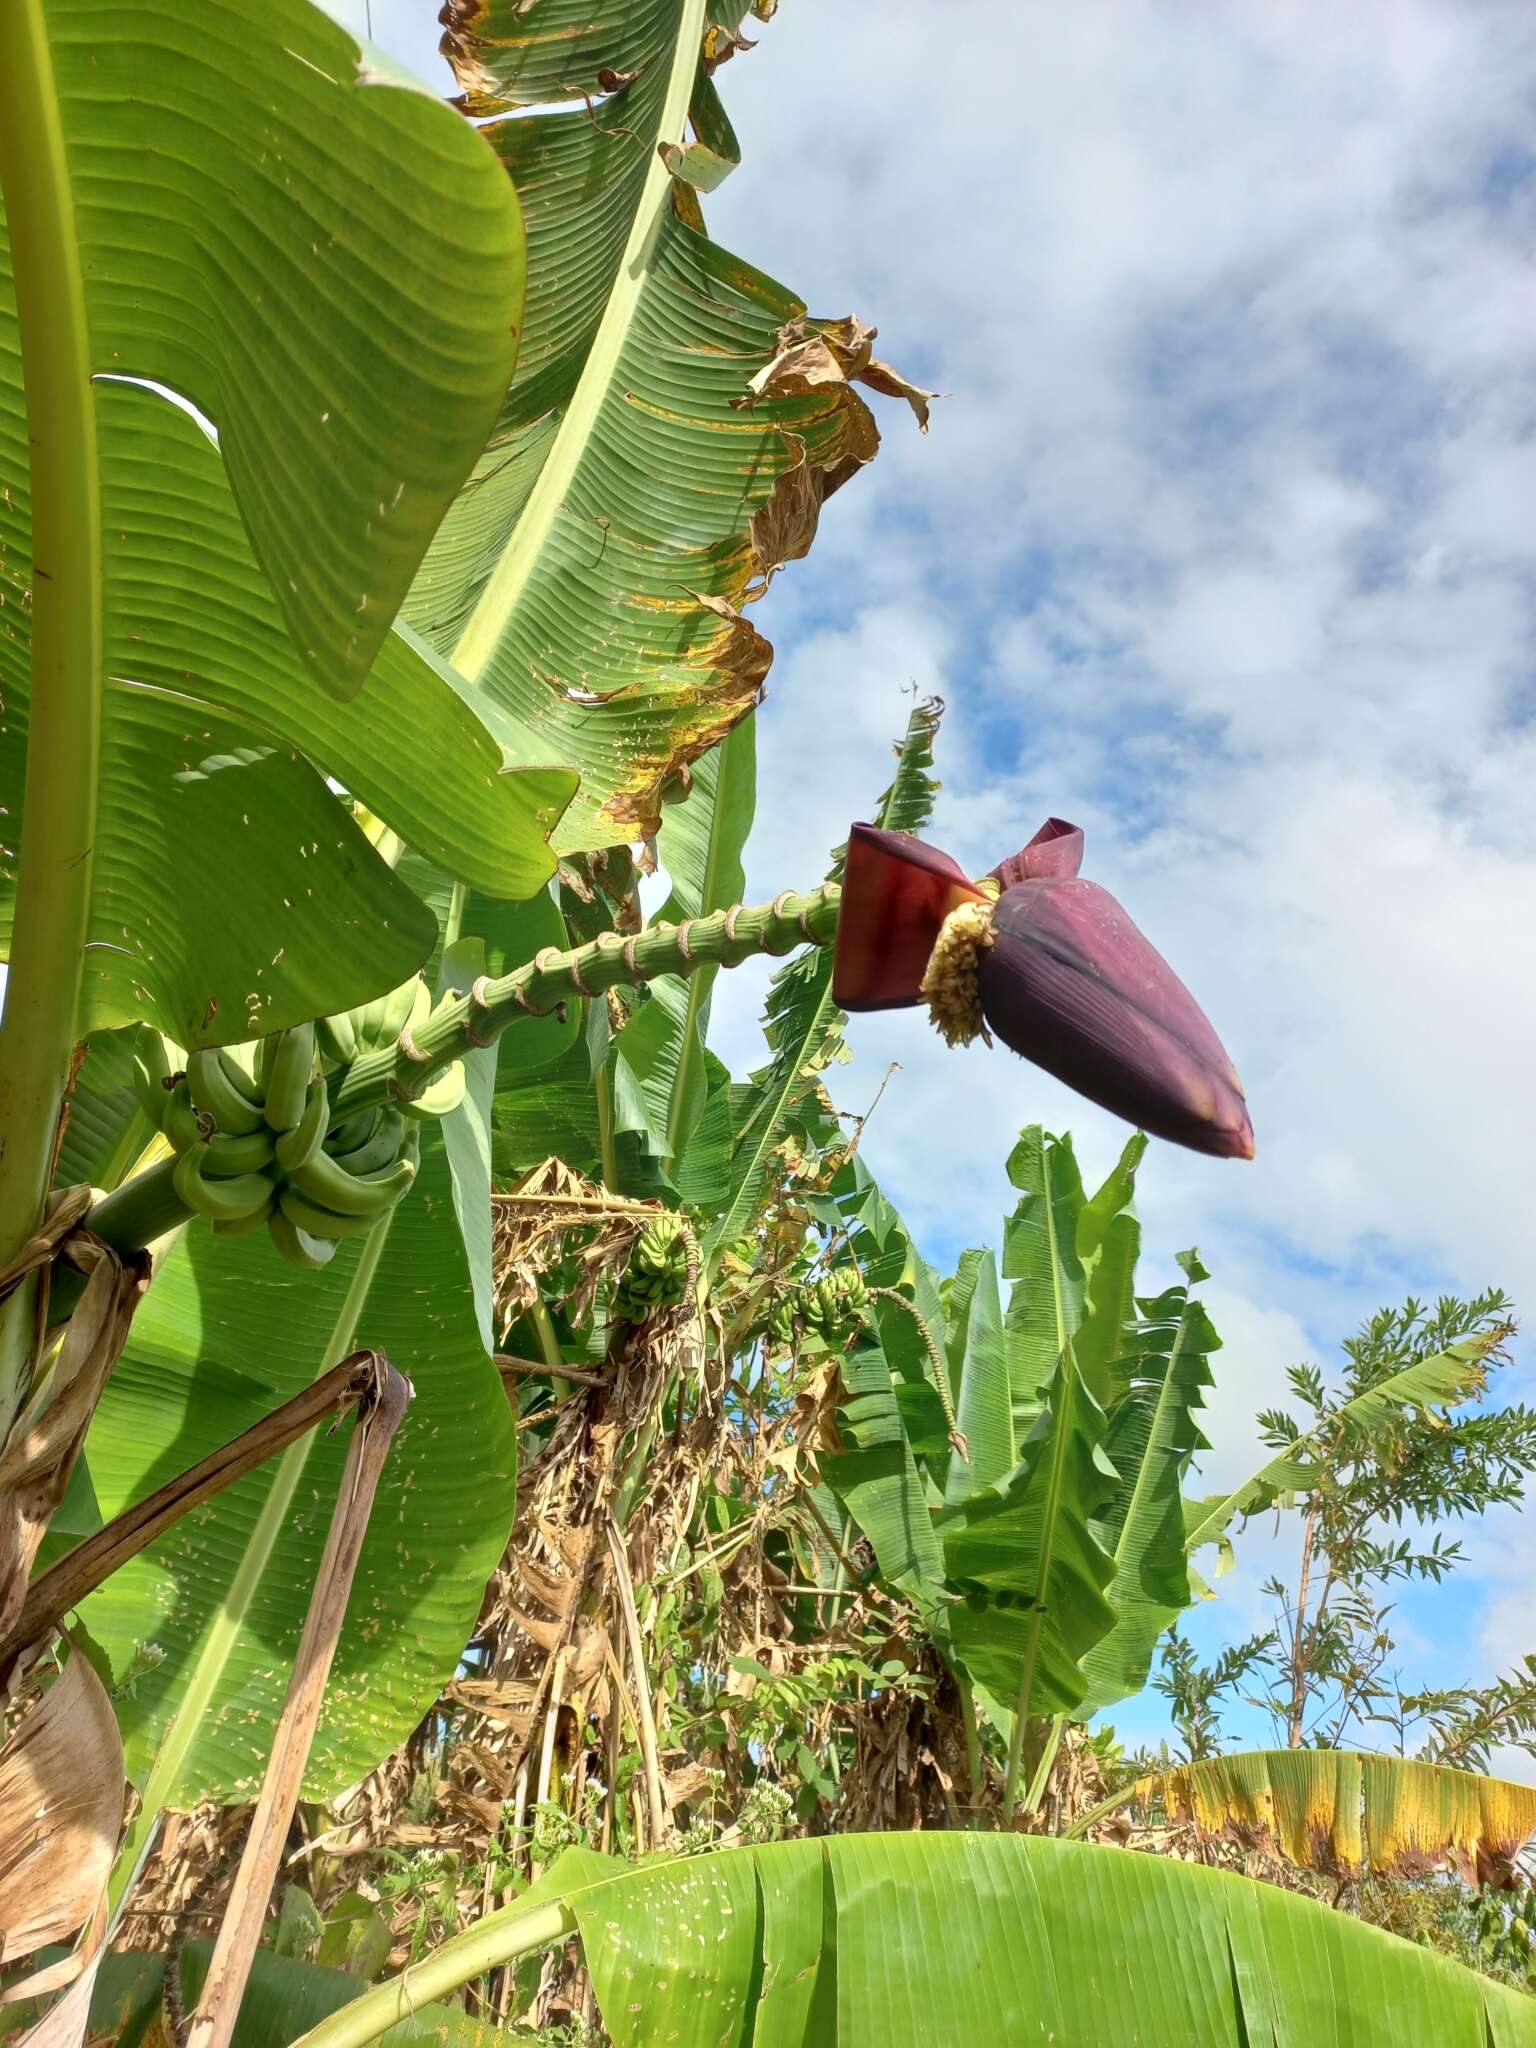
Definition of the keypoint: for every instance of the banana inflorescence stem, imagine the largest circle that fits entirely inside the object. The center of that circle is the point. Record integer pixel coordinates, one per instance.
(147, 1206)
(724, 939)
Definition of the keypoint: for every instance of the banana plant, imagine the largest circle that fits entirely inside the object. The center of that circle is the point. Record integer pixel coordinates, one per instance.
(170, 697)
(357, 701)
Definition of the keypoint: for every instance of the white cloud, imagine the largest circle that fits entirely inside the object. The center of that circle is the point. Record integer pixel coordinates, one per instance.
(1220, 545)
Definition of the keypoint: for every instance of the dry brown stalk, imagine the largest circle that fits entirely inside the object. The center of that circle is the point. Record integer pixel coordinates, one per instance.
(68, 1373)
(642, 1687)
(380, 1416)
(65, 1585)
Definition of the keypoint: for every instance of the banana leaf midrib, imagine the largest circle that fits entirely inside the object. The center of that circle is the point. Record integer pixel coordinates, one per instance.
(1061, 1433)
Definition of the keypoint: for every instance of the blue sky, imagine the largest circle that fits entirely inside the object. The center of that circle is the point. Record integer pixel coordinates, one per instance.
(1220, 545)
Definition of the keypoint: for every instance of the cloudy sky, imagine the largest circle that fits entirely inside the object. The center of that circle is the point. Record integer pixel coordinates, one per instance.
(1221, 545)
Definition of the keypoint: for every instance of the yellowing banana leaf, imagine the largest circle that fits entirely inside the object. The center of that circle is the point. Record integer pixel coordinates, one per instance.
(1342, 1812)
(936, 1939)
(672, 430)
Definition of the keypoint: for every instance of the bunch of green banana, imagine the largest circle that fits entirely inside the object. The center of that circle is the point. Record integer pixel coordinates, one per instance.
(831, 1307)
(657, 1274)
(257, 1147)
(780, 1326)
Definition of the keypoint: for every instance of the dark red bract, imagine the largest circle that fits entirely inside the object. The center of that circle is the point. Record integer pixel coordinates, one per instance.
(1068, 981)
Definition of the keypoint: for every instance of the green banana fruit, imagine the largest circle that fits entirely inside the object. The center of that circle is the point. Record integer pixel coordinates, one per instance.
(445, 1091)
(296, 1147)
(216, 1095)
(352, 1131)
(151, 1075)
(240, 1066)
(287, 1077)
(318, 1221)
(228, 1200)
(230, 1156)
(381, 1022)
(181, 1122)
(337, 1037)
(242, 1226)
(381, 1148)
(298, 1246)
(323, 1180)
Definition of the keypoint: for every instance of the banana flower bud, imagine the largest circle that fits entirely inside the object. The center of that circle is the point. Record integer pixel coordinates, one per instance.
(1048, 962)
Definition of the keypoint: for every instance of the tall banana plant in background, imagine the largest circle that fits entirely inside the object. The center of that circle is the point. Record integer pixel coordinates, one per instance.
(1044, 1529)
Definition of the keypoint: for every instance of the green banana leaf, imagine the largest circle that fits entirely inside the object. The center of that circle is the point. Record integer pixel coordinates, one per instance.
(984, 1411)
(877, 1480)
(933, 1939)
(703, 1172)
(889, 1258)
(1151, 1437)
(341, 448)
(1027, 1545)
(1109, 1244)
(104, 1123)
(636, 492)
(1449, 1376)
(1341, 1812)
(226, 1332)
(956, 1294)
(661, 1087)
(1027, 1560)
(549, 1111)
(1048, 1299)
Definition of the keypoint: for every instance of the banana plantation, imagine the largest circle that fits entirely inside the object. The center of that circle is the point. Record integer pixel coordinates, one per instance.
(504, 1534)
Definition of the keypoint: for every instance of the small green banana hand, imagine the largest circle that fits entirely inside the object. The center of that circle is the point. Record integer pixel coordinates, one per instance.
(336, 1038)
(154, 1075)
(326, 1193)
(181, 1123)
(297, 1246)
(657, 1273)
(230, 1156)
(251, 1126)
(327, 1182)
(380, 1146)
(381, 1022)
